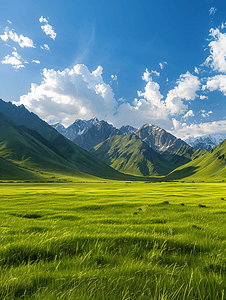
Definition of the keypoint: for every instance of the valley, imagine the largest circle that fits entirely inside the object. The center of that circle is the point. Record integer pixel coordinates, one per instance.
(141, 215)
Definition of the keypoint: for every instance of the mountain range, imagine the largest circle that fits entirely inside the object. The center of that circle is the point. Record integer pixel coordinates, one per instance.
(32, 149)
(206, 142)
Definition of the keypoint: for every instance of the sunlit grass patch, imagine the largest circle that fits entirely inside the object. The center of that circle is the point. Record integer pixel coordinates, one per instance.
(83, 241)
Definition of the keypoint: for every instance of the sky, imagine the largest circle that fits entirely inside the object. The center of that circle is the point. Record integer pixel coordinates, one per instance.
(126, 62)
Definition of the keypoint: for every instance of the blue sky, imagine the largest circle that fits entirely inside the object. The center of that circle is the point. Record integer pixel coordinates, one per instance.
(127, 62)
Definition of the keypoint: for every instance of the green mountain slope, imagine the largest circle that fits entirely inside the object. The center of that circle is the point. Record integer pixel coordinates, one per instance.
(25, 154)
(129, 154)
(21, 116)
(211, 165)
(179, 155)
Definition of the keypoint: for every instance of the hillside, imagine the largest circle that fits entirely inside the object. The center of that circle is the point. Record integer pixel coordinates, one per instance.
(129, 154)
(179, 155)
(21, 116)
(207, 167)
(23, 156)
(27, 148)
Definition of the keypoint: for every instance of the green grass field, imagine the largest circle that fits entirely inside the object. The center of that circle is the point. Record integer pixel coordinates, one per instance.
(113, 240)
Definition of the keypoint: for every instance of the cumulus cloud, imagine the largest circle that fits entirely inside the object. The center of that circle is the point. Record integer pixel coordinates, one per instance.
(78, 93)
(183, 131)
(21, 40)
(217, 82)
(9, 21)
(187, 86)
(15, 60)
(71, 94)
(151, 108)
(45, 47)
(216, 60)
(47, 29)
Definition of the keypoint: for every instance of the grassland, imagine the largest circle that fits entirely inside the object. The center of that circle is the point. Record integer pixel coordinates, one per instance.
(113, 240)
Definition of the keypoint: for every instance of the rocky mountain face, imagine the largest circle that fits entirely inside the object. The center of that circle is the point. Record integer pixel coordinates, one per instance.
(157, 138)
(77, 128)
(206, 142)
(127, 129)
(60, 128)
(96, 135)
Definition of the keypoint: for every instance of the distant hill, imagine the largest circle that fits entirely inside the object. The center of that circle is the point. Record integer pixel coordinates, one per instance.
(45, 148)
(129, 154)
(211, 165)
(96, 135)
(180, 154)
(206, 142)
(77, 128)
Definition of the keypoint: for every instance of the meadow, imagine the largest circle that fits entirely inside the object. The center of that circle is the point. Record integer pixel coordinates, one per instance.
(113, 240)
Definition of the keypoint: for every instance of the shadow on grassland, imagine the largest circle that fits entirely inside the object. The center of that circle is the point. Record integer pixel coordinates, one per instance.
(182, 173)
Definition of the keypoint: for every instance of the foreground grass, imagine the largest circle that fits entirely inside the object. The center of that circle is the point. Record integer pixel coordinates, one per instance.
(113, 240)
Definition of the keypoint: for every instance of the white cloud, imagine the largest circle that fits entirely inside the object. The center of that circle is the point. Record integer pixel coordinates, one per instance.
(186, 88)
(45, 47)
(183, 130)
(9, 21)
(161, 64)
(188, 114)
(42, 19)
(36, 61)
(155, 72)
(77, 93)
(47, 29)
(216, 59)
(212, 11)
(147, 75)
(205, 114)
(71, 94)
(114, 77)
(15, 60)
(21, 40)
(196, 70)
(202, 97)
(217, 82)
(151, 108)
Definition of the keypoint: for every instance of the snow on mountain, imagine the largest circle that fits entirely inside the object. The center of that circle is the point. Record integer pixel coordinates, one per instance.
(127, 129)
(77, 128)
(206, 142)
